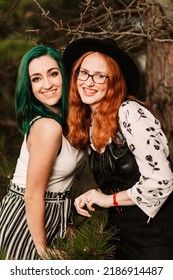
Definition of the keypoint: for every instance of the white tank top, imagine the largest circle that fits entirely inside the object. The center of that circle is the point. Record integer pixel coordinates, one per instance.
(63, 175)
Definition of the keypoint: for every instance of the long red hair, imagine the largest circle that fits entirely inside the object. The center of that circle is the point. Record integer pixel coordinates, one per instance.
(106, 115)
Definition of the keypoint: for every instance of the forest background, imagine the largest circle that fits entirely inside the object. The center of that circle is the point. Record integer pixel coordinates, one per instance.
(143, 28)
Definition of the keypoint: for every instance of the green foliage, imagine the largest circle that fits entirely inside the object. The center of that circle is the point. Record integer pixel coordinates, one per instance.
(6, 171)
(10, 142)
(91, 240)
(12, 48)
(2, 255)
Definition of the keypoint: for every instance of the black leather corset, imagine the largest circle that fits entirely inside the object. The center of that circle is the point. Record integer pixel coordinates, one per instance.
(116, 168)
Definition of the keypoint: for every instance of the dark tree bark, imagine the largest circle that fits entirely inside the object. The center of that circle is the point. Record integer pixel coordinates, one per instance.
(159, 84)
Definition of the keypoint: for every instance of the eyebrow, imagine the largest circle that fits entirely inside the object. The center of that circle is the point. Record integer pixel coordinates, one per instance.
(53, 68)
(96, 72)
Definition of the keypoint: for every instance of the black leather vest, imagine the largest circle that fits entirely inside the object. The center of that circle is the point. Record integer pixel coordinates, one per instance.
(115, 169)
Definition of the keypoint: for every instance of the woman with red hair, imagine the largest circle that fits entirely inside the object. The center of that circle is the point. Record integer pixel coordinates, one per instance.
(128, 151)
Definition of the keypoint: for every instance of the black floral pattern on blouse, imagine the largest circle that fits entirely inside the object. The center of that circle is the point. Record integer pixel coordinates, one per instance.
(149, 145)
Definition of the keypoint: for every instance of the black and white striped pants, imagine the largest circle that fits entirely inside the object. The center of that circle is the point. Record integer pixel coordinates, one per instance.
(15, 238)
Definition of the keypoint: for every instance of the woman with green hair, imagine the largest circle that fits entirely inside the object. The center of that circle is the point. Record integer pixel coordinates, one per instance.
(37, 207)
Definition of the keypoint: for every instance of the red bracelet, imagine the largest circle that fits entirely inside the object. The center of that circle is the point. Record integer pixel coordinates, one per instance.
(114, 199)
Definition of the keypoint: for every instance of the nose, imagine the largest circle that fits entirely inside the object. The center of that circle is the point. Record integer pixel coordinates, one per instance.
(47, 83)
(89, 81)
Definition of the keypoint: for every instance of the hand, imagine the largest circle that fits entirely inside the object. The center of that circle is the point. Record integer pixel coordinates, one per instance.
(49, 253)
(91, 197)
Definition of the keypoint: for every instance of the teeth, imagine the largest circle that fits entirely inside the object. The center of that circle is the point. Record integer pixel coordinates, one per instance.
(88, 91)
(49, 92)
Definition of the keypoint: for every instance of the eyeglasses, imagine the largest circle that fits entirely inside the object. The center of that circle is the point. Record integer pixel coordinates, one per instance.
(97, 78)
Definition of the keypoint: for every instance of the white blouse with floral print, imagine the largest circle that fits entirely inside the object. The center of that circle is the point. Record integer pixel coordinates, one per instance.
(149, 145)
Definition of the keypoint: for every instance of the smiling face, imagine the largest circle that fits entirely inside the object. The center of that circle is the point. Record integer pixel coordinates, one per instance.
(46, 80)
(92, 93)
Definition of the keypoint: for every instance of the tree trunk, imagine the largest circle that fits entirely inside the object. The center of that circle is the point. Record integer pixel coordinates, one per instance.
(159, 85)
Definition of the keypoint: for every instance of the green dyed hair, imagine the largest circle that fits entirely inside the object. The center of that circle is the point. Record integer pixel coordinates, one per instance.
(27, 106)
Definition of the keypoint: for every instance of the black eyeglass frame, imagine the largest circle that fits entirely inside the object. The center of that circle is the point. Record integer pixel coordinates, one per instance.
(92, 77)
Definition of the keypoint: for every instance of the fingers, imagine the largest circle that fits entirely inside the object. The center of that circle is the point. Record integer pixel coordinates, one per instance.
(90, 208)
(82, 211)
(79, 208)
(86, 199)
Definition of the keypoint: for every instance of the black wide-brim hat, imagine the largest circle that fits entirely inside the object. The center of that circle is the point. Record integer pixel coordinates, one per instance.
(109, 47)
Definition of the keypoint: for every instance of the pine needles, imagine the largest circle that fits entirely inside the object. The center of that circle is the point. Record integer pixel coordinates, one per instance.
(90, 241)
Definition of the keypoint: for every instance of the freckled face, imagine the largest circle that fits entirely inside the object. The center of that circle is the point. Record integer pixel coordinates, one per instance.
(46, 80)
(92, 93)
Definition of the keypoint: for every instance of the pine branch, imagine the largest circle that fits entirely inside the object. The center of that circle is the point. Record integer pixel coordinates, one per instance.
(90, 241)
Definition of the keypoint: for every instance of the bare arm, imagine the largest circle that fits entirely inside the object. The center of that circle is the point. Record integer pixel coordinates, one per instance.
(43, 144)
(97, 197)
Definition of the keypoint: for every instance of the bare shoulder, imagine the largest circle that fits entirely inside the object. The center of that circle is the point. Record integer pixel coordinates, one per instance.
(47, 125)
(45, 129)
